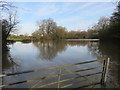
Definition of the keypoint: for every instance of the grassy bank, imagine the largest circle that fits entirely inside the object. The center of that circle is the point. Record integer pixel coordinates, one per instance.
(18, 39)
(15, 39)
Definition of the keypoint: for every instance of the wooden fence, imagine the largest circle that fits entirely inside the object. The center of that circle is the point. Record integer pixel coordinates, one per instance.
(102, 79)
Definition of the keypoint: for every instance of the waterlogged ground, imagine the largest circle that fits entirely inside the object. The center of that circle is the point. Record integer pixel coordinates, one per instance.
(43, 54)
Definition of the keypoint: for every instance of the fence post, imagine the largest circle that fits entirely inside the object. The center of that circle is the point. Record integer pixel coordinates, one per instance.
(59, 78)
(105, 71)
(102, 77)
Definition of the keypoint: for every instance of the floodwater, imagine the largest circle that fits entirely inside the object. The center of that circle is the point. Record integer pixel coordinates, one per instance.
(43, 54)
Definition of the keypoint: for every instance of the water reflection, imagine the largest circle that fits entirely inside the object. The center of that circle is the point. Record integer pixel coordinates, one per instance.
(111, 50)
(64, 52)
(94, 50)
(7, 60)
(49, 49)
(78, 43)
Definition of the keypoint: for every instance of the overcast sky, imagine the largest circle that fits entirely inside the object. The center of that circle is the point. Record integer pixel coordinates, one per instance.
(74, 15)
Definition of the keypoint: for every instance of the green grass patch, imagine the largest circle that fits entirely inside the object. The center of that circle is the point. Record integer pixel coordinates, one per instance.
(15, 39)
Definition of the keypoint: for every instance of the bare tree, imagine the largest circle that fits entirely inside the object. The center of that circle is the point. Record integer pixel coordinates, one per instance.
(41, 27)
(103, 23)
(9, 24)
(9, 19)
(6, 6)
(46, 26)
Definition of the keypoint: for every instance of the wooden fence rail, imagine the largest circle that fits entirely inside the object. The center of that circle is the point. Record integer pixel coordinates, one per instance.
(103, 77)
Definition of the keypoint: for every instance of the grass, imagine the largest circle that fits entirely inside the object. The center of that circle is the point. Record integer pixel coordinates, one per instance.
(15, 39)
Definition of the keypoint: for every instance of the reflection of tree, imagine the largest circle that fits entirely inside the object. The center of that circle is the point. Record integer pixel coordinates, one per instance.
(112, 50)
(7, 60)
(26, 41)
(77, 43)
(93, 48)
(49, 49)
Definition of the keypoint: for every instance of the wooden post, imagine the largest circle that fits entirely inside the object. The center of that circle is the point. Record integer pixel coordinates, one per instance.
(105, 71)
(102, 77)
(59, 78)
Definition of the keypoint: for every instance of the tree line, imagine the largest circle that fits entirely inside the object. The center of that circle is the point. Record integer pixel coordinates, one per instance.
(109, 28)
(105, 29)
(48, 29)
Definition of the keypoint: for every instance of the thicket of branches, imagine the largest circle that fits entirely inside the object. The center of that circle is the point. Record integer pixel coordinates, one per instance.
(8, 19)
(48, 29)
(109, 28)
